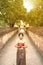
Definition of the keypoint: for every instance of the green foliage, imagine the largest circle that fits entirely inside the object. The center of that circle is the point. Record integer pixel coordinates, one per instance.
(12, 11)
(35, 17)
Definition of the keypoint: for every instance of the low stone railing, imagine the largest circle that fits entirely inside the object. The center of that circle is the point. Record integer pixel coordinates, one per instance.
(37, 40)
(4, 38)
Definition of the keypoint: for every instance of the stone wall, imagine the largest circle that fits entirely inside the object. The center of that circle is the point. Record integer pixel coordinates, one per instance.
(37, 40)
(6, 37)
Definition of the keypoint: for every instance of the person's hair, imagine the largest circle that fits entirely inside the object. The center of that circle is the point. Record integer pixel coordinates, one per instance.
(21, 34)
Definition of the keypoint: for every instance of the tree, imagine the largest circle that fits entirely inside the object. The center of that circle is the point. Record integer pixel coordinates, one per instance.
(35, 17)
(12, 10)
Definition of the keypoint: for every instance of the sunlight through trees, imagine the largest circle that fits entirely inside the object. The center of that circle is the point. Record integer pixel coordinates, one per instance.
(13, 10)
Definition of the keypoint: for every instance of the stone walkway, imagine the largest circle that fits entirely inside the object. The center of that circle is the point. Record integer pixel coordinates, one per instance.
(8, 53)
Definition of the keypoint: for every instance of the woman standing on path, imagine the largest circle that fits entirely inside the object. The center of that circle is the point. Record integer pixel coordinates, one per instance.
(21, 52)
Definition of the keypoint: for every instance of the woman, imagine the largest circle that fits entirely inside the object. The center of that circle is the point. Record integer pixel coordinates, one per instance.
(21, 53)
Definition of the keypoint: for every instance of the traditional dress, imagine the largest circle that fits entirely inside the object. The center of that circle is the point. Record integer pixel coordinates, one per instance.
(21, 55)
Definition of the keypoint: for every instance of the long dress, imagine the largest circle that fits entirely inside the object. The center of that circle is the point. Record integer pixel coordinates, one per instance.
(21, 55)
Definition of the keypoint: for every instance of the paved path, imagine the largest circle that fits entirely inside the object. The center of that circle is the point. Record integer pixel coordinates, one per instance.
(8, 53)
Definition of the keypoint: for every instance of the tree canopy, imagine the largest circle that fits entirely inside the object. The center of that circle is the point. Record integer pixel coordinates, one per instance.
(13, 10)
